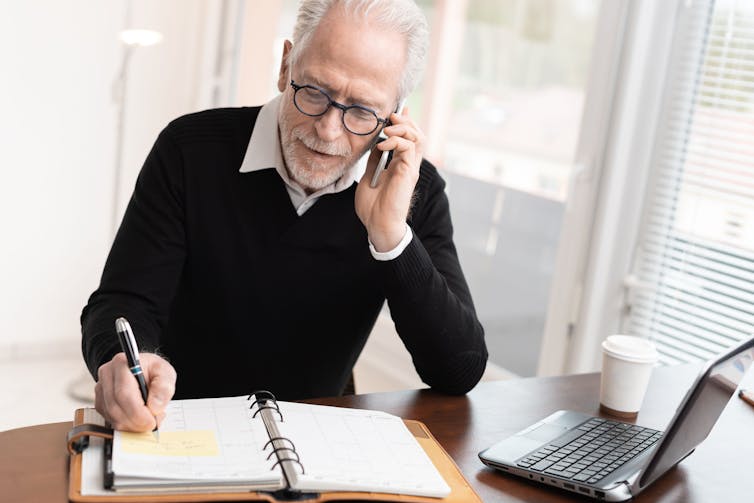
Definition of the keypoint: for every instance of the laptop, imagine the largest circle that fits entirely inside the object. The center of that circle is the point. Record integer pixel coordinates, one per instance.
(612, 460)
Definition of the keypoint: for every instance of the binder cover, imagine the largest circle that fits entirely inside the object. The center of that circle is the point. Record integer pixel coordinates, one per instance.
(461, 491)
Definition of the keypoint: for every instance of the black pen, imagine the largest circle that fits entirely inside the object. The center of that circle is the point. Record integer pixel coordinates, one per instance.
(128, 343)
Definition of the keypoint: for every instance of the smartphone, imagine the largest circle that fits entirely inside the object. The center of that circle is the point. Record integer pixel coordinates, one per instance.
(386, 156)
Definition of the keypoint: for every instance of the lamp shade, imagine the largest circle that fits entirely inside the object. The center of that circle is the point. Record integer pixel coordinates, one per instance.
(140, 37)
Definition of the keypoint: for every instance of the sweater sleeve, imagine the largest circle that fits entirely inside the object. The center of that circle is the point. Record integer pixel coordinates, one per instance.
(429, 299)
(144, 265)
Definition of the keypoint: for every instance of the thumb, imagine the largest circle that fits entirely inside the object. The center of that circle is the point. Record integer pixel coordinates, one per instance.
(160, 394)
(161, 377)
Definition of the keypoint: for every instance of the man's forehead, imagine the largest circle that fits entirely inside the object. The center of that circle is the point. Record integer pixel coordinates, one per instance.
(354, 55)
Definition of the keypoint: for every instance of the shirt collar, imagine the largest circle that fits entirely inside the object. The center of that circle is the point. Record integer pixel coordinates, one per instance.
(264, 152)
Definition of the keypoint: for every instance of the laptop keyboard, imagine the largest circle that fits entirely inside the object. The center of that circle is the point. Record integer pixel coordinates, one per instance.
(590, 452)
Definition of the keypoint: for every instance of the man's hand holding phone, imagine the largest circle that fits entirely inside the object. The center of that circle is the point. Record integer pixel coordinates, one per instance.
(383, 208)
(386, 155)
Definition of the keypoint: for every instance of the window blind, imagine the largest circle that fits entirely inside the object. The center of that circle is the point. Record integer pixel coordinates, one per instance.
(692, 287)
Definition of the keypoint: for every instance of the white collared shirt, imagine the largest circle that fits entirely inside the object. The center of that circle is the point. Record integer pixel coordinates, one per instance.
(264, 152)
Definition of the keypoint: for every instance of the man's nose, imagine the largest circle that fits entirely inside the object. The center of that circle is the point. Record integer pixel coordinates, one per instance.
(330, 125)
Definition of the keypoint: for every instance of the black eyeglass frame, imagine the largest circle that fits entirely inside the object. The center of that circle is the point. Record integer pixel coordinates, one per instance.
(343, 108)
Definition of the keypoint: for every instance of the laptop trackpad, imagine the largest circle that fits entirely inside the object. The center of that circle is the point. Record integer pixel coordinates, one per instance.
(510, 449)
(516, 446)
(545, 432)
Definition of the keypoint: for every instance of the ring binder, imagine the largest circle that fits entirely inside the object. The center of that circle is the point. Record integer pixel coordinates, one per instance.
(280, 460)
(263, 398)
(275, 451)
(263, 407)
(263, 393)
(278, 438)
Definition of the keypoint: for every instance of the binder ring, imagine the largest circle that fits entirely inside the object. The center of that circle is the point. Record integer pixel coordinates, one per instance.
(292, 451)
(275, 408)
(303, 471)
(272, 439)
(263, 398)
(261, 394)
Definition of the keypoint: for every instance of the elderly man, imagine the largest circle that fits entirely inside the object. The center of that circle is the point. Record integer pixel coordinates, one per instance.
(255, 254)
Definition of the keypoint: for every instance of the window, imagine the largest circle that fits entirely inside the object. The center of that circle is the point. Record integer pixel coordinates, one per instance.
(514, 98)
(692, 290)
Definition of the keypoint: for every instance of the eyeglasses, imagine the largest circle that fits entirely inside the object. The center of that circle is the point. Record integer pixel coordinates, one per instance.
(314, 102)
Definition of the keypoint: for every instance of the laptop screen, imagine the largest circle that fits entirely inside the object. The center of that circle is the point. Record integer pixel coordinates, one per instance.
(700, 409)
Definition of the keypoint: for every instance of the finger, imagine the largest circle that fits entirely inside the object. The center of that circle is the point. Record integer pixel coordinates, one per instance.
(161, 378)
(104, 404)
(402, 118)
(160, 418)
(409, 130)
(103, 396)
(403, 130)
(119, 419)
(160, 393)
(399, 146)
(405, 156)
(126, 396)
(99, 401)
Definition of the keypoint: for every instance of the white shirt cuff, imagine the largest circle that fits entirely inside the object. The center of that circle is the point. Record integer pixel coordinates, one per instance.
(395, 252)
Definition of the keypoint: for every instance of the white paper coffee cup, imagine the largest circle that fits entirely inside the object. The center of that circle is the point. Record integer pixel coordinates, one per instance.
(627, 363)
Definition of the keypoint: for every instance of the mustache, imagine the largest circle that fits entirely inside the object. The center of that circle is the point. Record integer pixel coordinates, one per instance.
(322, 147)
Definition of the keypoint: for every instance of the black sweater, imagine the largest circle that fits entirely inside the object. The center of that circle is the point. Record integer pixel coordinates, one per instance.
(215, 271)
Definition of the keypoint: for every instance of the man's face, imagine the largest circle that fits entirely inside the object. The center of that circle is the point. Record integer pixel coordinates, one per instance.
(355, 63)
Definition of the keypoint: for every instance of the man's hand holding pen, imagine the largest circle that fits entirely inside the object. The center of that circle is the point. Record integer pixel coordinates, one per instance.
(119, 400)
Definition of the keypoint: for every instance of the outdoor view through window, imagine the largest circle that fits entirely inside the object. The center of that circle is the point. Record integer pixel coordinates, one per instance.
(513, 127)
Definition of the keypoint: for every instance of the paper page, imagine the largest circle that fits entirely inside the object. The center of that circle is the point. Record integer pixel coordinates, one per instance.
(358, 450)
(92, 476)
(204, 440)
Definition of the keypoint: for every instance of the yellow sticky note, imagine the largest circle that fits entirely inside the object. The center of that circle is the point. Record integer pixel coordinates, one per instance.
(171, 443)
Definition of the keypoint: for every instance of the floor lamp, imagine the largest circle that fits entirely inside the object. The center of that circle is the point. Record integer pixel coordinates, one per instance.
(82, 387)
(132, 39)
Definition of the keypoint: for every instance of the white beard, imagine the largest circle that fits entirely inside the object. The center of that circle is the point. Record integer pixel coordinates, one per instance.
(307, 171)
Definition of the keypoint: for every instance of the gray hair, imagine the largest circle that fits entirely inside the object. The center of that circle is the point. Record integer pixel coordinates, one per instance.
(403, 16)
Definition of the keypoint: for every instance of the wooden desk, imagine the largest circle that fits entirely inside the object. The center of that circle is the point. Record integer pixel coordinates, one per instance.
(33, 460)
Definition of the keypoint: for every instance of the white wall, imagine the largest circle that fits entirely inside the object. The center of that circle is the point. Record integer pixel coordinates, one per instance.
(58, 61)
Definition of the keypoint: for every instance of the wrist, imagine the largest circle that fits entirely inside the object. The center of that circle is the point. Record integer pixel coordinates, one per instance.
(386, 239)
(395, 252)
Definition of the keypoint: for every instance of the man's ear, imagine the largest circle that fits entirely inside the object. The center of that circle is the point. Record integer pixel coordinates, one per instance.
(284, 67)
